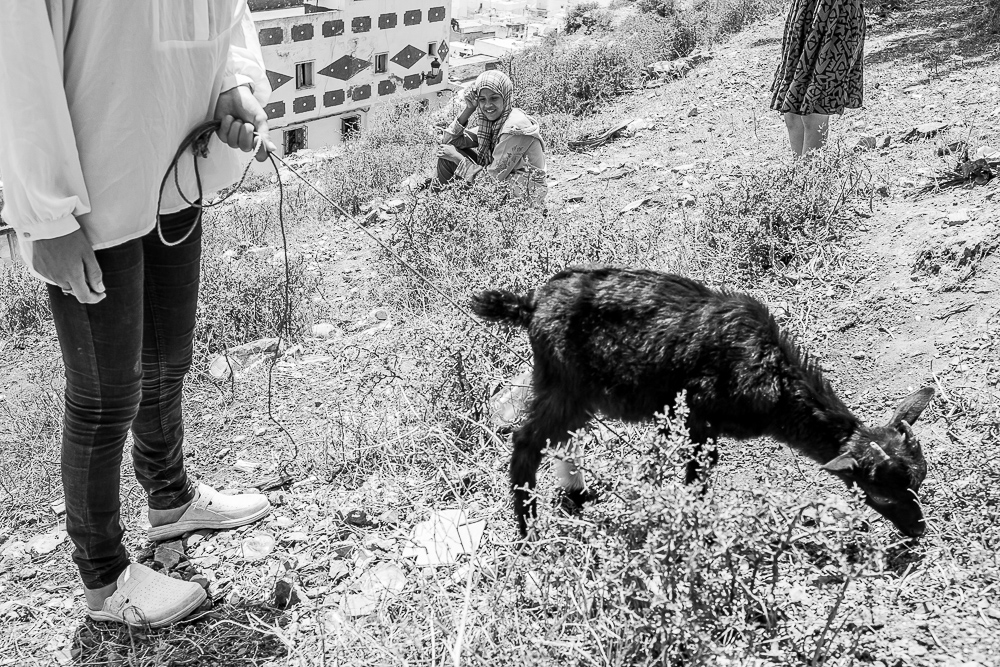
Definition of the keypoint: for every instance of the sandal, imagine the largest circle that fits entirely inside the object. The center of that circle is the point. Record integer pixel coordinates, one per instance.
(212, 510)
(148, 598)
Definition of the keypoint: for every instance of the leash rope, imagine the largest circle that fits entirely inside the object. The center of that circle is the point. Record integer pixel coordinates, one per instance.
(197, 141)
(461, 309)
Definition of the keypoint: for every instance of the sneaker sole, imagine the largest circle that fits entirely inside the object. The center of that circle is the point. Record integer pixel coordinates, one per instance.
(180, 614)
(172, 530)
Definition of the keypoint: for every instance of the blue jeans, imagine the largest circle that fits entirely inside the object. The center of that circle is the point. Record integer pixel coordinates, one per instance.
(446, 168)
(126, 358)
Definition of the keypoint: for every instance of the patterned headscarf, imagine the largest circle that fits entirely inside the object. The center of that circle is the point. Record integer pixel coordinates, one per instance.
(489, 131)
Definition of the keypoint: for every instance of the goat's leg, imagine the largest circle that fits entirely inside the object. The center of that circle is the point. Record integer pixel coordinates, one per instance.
(693, 469)
(550, 422)
(573, 484)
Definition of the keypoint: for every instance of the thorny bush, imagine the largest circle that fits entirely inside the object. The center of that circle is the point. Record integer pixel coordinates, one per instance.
(782, 217)
(695, 578)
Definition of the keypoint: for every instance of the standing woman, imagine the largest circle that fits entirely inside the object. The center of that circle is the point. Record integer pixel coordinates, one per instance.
(821, 68)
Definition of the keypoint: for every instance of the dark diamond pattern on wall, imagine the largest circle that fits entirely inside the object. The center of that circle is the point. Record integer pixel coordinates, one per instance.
(443, 50)
(361, 92)
(408, 56)
(361, 24)
(412, 81)
(413, 17)
(435, 14)
(345, 67)
(333, 28)
(332, 98)
(387, 87)
(386, 21)
(269, 36)
(301, 33)
(275, 110)
(303, 104)
(277, 80)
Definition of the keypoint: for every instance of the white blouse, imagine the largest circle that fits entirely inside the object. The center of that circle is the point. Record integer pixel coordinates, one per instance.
(95, 98)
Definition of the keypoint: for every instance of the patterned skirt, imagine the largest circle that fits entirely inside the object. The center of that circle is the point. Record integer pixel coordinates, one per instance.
(821, 58)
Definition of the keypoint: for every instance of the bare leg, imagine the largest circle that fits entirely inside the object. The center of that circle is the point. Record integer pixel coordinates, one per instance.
(796, 131)
(817, 128)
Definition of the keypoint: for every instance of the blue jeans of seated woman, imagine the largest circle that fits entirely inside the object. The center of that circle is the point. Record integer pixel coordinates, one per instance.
(126, 358)
(446, 168)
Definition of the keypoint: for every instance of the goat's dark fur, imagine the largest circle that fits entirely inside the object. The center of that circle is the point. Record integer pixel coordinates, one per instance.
(624, 343)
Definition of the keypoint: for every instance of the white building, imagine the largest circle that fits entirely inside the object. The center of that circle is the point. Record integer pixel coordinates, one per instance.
(329, 64)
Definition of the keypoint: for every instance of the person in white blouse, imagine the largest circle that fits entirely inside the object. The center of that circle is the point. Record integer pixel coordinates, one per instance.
(97, 96)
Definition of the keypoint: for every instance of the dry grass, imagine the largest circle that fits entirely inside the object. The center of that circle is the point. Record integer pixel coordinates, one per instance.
(776, 565)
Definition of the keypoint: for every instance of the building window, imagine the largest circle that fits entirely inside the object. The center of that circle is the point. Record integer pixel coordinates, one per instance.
(432, 49)
(304, 75)
(350, 126)
(381, 63)
(295, 140)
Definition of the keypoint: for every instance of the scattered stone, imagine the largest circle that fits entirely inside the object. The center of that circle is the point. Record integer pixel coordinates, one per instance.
(283, 522)
(257, 546)
(358, 518)
(323, 330)
(344, 549)
(273, 482)
(222, 367)
(169, 554)
(634, 205)
(958, 217)
(201, 580)
(865, 144)
(27, 573)
(883, 141)
(389, 517)
(58, 507)
(394, 206)
(338, 570)
(295, 537)
(285, 594)
(693, 112)
(195, 538)
(46, 543)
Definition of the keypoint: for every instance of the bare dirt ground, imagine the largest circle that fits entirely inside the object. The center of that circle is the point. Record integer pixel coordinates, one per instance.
(913, 301)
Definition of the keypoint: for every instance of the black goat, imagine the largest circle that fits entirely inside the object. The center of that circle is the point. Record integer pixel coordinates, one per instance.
(625, 342)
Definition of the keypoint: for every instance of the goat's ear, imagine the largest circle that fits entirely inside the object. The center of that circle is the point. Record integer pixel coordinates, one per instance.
(843, 464)
(911, 407)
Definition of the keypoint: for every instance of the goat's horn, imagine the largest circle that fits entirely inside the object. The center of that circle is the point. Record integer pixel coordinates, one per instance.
(879, 453)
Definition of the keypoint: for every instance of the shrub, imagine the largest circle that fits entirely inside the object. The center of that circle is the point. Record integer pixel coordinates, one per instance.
(695, 580)
(783, 216)
(24, 303)
(662, 8)
(571, 77)
(992, 22)
(576, 76)
(242, 295)
(587, 17)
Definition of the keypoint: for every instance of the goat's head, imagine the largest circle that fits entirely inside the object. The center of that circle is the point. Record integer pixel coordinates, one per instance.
(888, 465)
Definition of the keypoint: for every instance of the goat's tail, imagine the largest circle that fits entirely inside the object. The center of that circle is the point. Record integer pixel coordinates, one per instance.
(503, 306)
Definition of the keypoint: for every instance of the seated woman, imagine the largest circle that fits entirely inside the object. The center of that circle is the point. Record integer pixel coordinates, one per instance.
(507, 144)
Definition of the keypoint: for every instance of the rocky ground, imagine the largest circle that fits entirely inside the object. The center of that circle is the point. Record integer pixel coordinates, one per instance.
(908, 299)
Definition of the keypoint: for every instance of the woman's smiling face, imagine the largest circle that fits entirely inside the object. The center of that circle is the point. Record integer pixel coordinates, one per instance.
(490, 104)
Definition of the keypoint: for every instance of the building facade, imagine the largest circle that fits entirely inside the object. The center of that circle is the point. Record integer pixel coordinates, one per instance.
(330, 63)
